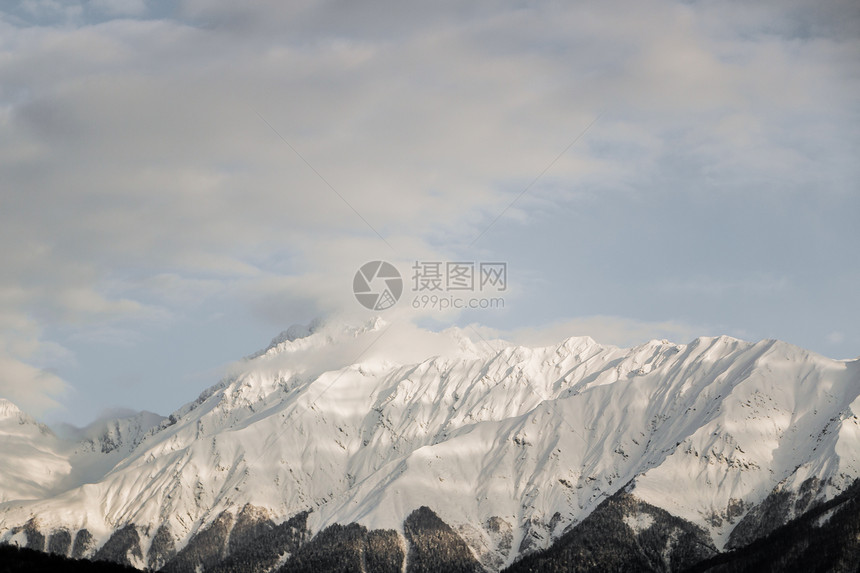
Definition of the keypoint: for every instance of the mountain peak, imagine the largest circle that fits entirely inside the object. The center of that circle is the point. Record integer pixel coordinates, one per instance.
(295, 332)
(320, 331)
(9, 410)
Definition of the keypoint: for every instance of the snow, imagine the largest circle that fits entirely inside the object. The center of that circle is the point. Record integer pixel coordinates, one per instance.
(9, 410)
(365, 423)
(638, 522)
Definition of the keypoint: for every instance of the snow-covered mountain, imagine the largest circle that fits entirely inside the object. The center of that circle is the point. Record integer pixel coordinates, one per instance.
(37, 463)
(508, 446)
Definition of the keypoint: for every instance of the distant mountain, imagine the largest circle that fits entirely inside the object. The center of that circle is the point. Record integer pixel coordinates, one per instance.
(39, 464)
(361, 447)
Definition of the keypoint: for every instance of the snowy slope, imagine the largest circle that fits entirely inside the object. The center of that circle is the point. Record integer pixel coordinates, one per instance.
(38, 463)
(33, 462)
(509, 445)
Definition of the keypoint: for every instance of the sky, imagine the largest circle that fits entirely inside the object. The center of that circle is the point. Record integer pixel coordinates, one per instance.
(180, 181)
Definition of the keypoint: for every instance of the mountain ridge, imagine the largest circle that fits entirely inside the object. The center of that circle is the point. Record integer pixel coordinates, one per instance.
(367, 423)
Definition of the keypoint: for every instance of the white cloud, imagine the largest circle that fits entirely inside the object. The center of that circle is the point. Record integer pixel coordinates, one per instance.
(27, 365)
(835, 337)
(614, 330)
(139, 178)
(32, 389)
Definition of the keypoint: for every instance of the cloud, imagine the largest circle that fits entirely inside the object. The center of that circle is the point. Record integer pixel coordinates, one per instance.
(614, 330)
(335, 344)
(835, 337)
(28, 365)
(32, 389)
(221, 152)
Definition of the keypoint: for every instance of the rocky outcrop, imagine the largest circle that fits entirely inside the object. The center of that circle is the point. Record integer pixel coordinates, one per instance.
(349, 549)
(206, 549)
(434, 546)
(60, 542)
(122, 547)
(623, 534)
(162, 549)
(778, 508)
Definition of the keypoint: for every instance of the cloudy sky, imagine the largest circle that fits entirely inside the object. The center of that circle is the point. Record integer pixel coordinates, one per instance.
(180, 181)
